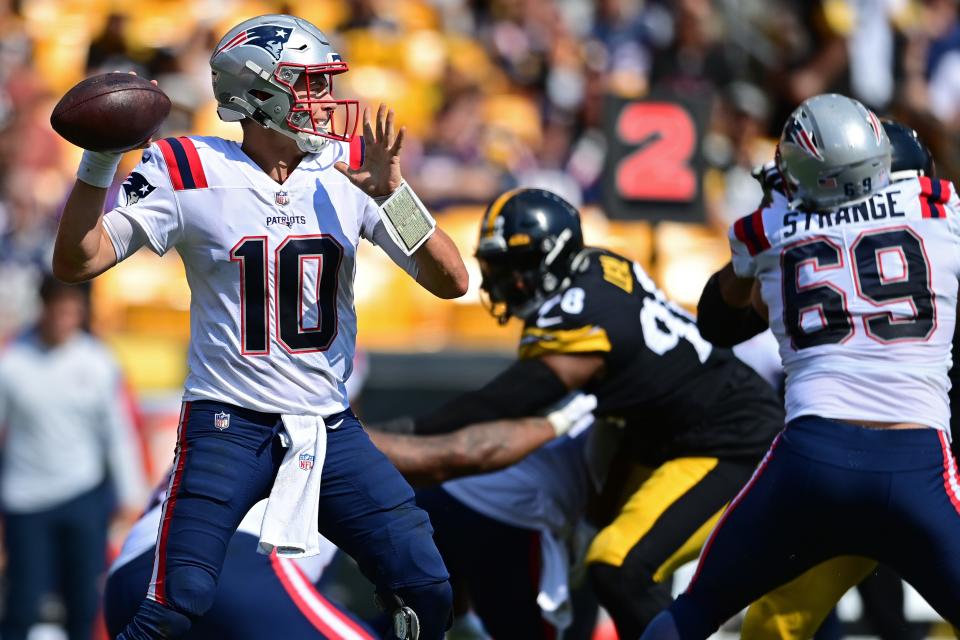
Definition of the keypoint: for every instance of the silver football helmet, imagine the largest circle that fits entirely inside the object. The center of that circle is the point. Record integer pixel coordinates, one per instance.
(278, 71)
(833, 150)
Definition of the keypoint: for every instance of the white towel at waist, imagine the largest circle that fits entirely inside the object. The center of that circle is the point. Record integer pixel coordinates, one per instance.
(554, 597)
(290, 521)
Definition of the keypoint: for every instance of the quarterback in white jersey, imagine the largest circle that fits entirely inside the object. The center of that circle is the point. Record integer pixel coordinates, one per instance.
(268, 232)
(270, 268)
(858, 278)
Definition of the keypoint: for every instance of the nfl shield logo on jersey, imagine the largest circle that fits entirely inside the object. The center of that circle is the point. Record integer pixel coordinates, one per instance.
(283, 198)
(306, 461)
(221, 420)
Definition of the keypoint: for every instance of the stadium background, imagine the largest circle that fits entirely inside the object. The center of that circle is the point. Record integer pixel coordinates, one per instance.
(647, 114)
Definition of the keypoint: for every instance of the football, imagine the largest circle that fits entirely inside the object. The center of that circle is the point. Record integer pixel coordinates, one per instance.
(110, 112)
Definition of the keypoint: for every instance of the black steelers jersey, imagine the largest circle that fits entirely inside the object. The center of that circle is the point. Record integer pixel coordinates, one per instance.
(676, 393)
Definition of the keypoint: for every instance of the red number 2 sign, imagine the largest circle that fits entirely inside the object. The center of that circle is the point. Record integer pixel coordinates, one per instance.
(659, 169)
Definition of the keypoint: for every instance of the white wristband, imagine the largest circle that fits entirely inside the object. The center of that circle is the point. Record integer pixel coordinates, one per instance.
(406, 218)
(97, 169)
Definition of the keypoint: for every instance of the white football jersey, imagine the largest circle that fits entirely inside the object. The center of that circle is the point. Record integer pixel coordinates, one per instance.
(270, 268)
(862, 300)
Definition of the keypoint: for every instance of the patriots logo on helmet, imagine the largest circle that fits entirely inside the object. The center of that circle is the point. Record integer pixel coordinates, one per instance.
(806, 140)
(136, 188)
(269, 37)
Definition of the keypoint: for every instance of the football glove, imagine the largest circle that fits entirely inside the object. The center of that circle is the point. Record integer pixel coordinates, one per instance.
(770, 178)
(573, 413)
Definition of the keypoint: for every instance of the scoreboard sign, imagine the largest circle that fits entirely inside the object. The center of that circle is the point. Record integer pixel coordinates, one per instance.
(653, 169)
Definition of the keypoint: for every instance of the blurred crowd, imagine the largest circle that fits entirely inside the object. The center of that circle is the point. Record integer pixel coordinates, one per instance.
(496, 93)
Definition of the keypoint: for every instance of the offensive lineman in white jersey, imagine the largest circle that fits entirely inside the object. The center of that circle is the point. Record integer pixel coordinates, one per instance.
(268, 232)
(859, 277)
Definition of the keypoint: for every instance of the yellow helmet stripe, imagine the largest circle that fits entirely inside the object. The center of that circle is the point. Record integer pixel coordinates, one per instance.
(495, 209)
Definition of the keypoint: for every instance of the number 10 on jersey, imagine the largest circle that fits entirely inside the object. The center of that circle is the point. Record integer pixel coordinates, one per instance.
(253, 255)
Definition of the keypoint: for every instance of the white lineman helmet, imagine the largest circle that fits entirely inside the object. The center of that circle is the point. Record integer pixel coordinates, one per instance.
(256, 66)
(833, 150)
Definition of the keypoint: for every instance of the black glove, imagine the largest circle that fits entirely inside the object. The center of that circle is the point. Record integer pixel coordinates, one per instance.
(770, 178)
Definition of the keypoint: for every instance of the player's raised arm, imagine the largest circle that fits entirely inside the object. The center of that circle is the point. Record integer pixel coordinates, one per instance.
(440, 268)
(83, 248)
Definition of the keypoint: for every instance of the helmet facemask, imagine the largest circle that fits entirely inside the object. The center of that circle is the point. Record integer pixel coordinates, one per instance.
(511, 283)
(311, 87)
(516, 282)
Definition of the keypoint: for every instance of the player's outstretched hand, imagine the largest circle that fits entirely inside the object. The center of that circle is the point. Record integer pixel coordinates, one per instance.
(379, 175)
(770, 178)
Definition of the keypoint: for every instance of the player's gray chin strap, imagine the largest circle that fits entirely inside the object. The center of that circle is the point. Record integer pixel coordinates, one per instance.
(406, 624)
(305, 142)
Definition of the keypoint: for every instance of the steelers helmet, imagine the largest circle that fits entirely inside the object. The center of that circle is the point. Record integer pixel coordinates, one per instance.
(256, 66)
(833, 150)
(528, 240)
(910, 158)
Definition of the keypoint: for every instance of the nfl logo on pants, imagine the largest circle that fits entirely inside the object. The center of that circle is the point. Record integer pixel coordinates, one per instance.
(221, 420)
(306, 461)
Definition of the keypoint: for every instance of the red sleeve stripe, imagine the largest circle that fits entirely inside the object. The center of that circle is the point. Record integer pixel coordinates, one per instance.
(171, 161)
(356, 152)
(933, 195)
(757, 218)
(749, 231)
(183, 163)
(193, 160)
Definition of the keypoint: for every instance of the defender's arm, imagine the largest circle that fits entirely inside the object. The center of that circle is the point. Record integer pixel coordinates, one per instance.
(725, 315)
(525, 388)
(476, 449)
(482, 447)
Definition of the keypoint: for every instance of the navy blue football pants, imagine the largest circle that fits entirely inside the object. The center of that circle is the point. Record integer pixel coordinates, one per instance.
(366, 508)
(258, 597)
(64, 545)
(829, 489)
(498, 565)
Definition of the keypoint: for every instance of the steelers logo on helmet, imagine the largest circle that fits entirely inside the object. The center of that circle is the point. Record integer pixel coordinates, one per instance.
(278, 71)
(528, 241)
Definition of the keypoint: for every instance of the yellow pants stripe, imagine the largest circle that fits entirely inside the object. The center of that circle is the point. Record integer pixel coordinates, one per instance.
(648, 494)
(796, 610)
